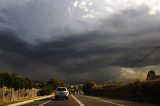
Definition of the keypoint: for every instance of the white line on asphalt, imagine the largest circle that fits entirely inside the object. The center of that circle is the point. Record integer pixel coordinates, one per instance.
(79, 102)
(44, 103)
(105, 101)
(29, 101)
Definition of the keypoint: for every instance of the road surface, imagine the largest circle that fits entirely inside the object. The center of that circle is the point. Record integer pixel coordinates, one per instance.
(81, 100)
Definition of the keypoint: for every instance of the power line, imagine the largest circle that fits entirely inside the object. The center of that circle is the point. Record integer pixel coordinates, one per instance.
(145, 57)
(139, 61)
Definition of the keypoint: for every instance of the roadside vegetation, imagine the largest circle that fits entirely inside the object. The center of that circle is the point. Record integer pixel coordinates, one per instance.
(144, 91)
(50, 86)
(20, 83)
(17, 82)
(14, 81)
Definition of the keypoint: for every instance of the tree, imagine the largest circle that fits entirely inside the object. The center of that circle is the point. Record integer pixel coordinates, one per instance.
(151, 75)
(54, 83)
(88, 86)
(51, 85)
(1, 81)
(29, 83)
(8, 81)
(46, 90)
(14, 81)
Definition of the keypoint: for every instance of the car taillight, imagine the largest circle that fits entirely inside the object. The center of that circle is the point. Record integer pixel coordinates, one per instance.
(66, 92)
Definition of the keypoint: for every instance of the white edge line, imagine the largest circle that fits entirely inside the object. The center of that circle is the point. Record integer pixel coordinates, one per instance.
(21, 103)
(29, 101)
(79, 102)
(44, 103)
(105, 101)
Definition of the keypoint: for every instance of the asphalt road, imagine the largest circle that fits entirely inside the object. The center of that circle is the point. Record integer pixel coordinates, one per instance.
(81, 100)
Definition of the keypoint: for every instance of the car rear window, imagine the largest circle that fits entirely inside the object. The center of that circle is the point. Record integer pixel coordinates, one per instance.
(61, 89)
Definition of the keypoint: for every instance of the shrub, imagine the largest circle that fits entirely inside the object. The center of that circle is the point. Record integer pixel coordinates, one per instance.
(46, 90)
(88, 85)
(14, 81)
(54, 83)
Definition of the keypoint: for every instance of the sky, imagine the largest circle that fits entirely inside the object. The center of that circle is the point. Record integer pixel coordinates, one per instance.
(79, 40)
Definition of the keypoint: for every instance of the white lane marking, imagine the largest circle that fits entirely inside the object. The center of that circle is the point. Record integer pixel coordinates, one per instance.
(79, 102)
(105, 101)
(44, 103)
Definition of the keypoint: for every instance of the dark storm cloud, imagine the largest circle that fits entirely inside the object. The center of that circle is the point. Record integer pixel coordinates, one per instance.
(9, 42)
(80, 56)
(33, 47)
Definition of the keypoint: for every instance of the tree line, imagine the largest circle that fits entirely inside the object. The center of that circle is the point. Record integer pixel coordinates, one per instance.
(17, 82)
(14, 81)
(50, 86)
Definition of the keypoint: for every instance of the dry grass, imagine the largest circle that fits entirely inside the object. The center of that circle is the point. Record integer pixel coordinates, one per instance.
(146, 91)
(20, 100)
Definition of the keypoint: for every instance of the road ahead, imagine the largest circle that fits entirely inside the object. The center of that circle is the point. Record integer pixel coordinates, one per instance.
(81, 100)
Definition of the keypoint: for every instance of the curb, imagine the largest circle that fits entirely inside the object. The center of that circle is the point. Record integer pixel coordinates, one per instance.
(29, 101)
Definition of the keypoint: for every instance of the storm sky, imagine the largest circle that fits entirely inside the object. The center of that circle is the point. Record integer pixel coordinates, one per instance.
(78, 40)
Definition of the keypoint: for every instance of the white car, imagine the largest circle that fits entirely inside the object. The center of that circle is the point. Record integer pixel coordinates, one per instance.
(61, 92)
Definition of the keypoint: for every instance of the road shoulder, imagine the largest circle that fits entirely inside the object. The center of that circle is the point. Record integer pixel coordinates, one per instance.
(30, 101)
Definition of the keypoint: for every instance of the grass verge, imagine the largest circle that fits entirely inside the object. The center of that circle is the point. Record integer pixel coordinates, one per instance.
(147, 91)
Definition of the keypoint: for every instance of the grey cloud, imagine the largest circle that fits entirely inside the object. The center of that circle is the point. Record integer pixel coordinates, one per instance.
(63, 58)
(120, 41)
(9, 42)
